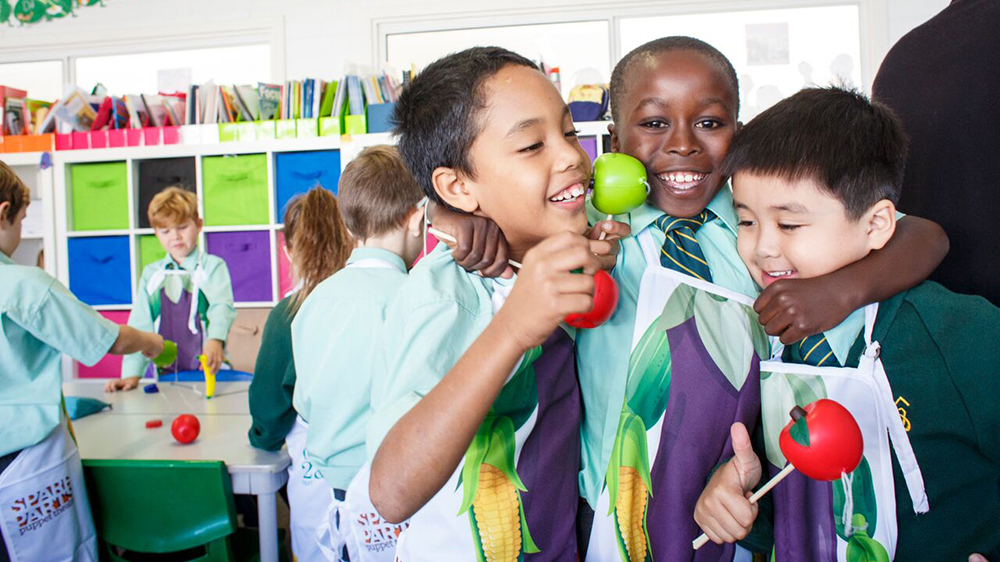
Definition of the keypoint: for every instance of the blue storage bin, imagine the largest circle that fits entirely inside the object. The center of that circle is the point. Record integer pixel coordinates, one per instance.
(99, 270)
(298, 172)
(380, 117)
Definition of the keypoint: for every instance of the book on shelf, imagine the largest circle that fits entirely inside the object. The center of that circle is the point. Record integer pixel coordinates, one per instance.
(270, 99)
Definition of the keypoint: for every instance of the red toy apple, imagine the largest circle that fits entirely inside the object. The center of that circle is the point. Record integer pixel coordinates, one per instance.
(185, 428)
(605, 303)
(822, 441)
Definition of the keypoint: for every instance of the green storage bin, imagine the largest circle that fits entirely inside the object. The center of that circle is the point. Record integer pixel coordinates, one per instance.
(235, 190)
(99, 195)
(229, 132)
(150, 251)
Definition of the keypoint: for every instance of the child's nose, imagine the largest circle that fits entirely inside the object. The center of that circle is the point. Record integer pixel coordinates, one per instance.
(682, 143)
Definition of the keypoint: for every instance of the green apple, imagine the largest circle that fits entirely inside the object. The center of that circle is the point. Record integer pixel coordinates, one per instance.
(619, 183)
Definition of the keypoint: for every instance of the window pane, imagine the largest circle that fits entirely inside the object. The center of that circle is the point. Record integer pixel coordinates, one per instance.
(43, 80)
(139, 72)
(578, 49)
(775, 52)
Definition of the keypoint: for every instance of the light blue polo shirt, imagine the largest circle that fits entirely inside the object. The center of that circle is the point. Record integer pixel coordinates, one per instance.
(603, 352)
(39, 321)
(335, 339)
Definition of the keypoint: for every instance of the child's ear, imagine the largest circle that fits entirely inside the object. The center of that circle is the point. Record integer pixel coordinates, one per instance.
(881, 219)
(199, 223)
(4, 209)
(451, 188)
(415, 221)
(615, 143)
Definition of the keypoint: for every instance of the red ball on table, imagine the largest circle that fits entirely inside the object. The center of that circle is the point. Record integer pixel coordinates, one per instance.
(185, 428)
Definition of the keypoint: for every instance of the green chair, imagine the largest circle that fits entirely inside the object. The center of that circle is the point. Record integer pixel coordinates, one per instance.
(167, 510)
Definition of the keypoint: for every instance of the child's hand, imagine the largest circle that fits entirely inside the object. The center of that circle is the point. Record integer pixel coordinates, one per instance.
(481, 245)
(793, 309)
(724, 511)
(977, 558)
(607, 250)
(213, 354)
(152, 345)
(128, 383)
(546, 289)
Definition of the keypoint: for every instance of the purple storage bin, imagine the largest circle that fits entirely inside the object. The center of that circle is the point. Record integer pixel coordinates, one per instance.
(248, 256)
(589, 144)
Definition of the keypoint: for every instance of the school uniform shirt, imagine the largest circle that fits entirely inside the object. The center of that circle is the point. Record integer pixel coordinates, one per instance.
(335, 338)
(270, 393)
(940, 356)
(217, 291)
(39, 321)
(603, 352)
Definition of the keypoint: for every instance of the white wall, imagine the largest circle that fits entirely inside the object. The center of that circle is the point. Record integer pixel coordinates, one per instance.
(320, 37)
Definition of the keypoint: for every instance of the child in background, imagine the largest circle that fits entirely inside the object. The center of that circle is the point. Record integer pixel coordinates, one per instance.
(479, 404)
(186, 297)
(335, 334)
(920, 366)
(317, 244)
(675, 103)
(46, 515)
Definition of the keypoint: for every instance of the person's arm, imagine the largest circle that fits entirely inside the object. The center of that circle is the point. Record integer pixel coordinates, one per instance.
(221, 313)
(796, 308)
(140, 318)
(273, 383)
(424, 447)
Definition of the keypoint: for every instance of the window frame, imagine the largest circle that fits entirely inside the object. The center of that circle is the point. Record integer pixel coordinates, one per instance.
(872, 20)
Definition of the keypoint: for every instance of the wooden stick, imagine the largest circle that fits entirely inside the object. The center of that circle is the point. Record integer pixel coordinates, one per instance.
(700, 541)
(604, 234)
(449, 238)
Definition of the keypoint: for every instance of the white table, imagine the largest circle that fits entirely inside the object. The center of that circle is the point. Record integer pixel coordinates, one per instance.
(121, 433)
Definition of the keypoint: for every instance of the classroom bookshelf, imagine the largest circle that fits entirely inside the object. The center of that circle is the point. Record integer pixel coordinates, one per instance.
(102, 239)
(39, 232)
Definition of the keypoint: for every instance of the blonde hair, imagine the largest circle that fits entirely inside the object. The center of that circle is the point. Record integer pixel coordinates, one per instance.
(14, 191)
(173, 206)
(377, 192)
(316, 238)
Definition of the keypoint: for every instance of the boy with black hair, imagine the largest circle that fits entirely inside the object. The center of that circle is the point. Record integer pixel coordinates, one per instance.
(479, 403)
(815, 183)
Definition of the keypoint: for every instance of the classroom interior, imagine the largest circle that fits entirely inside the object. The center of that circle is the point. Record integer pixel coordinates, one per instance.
(199, 75)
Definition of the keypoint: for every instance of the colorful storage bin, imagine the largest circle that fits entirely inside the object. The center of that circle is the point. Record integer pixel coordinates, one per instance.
(235, 190)
(110, 367)
(156, 175)
(99, 195)
(298, 172)
(150, 251)
(99, 270)
(248, 256)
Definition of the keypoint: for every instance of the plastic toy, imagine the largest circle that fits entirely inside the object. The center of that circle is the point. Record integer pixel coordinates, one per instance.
(154, 423)
(823, 441)
(209, 377)
(151, 388)
(620, 184)
(605, 303)
(167, 356)
(185, 428)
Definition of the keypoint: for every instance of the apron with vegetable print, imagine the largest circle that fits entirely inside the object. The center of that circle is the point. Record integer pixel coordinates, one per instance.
(179, 315)
(852, 519)
(693, 372)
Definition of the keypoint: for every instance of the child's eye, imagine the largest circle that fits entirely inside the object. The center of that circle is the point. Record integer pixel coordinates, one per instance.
(655, 124)
(708, 124)
(745, 224)
(789, 227)
(573, 133)
(532, 148)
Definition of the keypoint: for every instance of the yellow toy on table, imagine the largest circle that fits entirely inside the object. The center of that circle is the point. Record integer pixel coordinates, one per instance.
(209, 377)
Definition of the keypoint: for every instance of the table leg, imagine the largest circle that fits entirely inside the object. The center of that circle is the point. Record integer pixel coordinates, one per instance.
(267, 516)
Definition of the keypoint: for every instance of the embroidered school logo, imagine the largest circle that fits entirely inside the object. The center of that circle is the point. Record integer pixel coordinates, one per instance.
(33, 511)
(902, 412)
(379, 535)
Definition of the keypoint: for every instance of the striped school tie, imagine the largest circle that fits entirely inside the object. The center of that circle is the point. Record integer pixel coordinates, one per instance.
(681, 251)
(815, 351)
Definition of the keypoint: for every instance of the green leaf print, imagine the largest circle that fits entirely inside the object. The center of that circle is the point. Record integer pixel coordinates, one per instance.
(861, 547)
(679, 307)
(780, 393)
(724, 329)
(649, 376)
(863, 493)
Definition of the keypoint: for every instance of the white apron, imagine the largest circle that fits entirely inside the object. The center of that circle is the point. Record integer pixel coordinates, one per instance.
(823, 521)
(693, 372)
(335, 531)
(46, 515)
(308, 496)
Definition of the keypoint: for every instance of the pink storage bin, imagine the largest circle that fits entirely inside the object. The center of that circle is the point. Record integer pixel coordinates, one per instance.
(109, 367)
(116, 138)
(81, 140)
(152, 135)
(64, 142)
(171, 135)
(285, 281)
(133, 137)
(98, 139)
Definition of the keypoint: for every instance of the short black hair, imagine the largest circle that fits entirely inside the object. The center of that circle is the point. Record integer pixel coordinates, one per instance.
(436, 117)
(620, 76)
(853, 147)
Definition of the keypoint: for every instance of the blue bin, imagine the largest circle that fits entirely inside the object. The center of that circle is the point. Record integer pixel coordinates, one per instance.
(380, 117)
(99, 270)
(298, 172)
